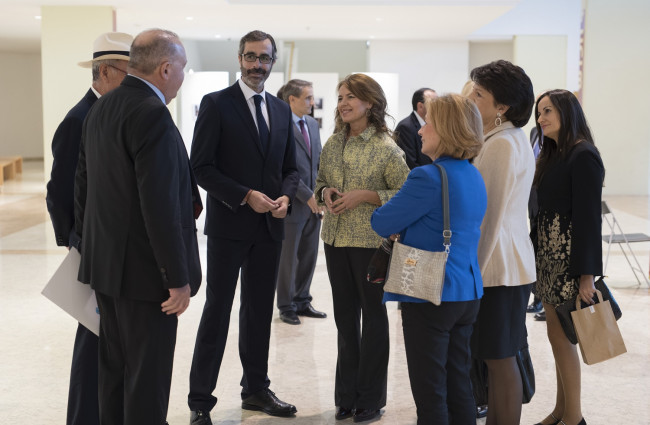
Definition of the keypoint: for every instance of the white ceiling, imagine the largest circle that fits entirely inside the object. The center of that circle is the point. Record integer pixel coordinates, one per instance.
(284, 19)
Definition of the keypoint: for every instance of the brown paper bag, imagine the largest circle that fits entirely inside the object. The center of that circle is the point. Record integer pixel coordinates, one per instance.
(598, 334)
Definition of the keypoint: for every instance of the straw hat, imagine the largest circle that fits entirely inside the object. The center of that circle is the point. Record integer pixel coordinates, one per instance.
(110, 45)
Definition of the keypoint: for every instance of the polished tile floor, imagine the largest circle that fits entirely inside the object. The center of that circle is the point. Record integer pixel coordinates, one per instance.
(36, 337)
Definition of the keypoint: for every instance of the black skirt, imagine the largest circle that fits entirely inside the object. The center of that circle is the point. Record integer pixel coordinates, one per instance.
(500, 328)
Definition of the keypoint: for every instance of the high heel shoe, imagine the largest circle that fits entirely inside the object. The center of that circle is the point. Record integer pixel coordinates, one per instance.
(557, 421)
(582, 422)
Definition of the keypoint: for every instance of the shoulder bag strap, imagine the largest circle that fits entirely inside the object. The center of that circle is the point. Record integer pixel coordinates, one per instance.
(446, 233)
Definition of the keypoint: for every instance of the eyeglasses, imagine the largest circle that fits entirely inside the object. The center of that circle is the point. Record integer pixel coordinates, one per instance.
(114, 67)
(251, 57)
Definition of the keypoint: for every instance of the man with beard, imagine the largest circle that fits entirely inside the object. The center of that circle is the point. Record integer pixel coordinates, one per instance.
(243, 155)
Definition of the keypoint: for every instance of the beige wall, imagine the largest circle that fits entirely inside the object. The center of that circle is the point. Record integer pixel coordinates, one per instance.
(615, 91)
(441, 65)
(544, 58)
(21, 111)
(67, 35)
(482, 52)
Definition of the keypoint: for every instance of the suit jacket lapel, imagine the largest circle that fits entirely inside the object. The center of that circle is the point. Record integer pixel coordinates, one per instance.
(241, 107)
(312, 125)
(414, 120)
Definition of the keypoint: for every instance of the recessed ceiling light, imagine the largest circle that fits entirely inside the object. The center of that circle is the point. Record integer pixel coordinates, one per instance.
(37, 17)
(189, 18)
(217, 36)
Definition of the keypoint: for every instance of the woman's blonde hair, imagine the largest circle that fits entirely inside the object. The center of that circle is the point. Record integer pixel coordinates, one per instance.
(458, 122)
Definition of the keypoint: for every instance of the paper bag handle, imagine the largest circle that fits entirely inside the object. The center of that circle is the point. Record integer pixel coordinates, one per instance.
(578, 299)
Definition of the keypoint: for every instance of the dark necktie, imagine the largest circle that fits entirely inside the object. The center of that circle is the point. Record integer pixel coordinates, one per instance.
(261, 123)
(305, 135)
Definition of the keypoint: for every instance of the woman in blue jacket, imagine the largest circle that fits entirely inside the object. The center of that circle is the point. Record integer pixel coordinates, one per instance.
(437, 338)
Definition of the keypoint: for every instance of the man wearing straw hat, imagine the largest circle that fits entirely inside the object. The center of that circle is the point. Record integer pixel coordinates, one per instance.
(110, 58)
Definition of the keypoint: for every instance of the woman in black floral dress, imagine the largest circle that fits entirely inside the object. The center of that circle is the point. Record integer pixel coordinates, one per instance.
(569, 179)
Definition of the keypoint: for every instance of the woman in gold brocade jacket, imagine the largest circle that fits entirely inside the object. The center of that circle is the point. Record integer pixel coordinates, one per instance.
(361, 168)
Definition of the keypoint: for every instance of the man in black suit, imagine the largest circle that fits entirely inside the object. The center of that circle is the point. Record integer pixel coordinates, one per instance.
(244, 156)
(406, 132)
(135, 208)
(110, 58)
(302, 226)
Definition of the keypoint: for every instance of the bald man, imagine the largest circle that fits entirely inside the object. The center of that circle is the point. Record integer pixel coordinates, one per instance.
(135, 207)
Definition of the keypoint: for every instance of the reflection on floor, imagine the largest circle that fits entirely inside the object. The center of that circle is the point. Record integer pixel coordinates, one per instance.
(36, 337)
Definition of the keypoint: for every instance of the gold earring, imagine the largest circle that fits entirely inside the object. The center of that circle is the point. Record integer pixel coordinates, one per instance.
(497, 121)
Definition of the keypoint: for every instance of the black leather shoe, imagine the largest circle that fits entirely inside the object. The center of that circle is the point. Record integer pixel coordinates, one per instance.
(534, 307)
(310, 311)
(364, 415)
(481, 411)
(266, 401)
(541, 316)
(343, 413)
(289, 317)
(200, 417)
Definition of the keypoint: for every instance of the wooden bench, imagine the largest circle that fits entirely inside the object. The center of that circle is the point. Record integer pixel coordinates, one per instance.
(10, 165)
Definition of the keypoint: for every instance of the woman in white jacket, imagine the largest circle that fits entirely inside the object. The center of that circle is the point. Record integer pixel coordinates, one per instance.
(504, 96)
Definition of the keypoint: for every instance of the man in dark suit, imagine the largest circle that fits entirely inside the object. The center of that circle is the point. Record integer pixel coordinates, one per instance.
(110, 58)
(244, 156)
(302, 226)
(135, 208)
(406, 132)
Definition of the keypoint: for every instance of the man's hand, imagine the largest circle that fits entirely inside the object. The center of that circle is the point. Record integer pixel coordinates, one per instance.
(283, 206)
(178, 301)
(313, 205)
(260, 203)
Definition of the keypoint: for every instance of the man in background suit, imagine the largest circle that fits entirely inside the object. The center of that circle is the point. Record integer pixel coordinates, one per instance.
(302, 226)
(110, 58)
(135, 208)
(244, 156)
(406, 132)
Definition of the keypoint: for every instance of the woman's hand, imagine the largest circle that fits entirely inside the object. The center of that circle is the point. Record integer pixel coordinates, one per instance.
(587, 288)
(329, 194)
(350, 200)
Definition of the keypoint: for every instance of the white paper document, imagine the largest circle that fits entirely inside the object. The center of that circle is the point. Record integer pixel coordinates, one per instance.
(75, 298)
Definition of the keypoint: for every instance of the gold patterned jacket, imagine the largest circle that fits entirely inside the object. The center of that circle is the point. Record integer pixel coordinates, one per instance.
(369, 161)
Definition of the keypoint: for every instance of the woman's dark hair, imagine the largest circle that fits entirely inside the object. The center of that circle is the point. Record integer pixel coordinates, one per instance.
(510, 86)
(367, 89)
(573, 129)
